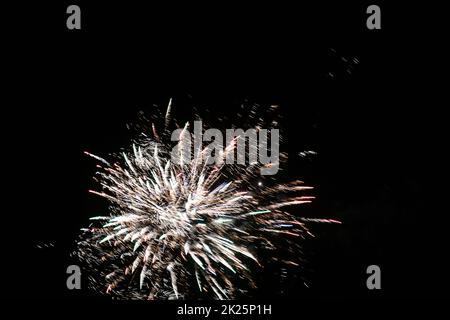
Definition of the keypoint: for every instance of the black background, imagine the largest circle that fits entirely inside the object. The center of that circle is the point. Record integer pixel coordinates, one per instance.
(375, 129)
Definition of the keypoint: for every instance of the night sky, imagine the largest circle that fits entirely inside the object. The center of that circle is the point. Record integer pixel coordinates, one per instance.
(355, 96)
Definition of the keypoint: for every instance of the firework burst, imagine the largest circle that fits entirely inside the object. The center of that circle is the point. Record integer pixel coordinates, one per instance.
(187, 230)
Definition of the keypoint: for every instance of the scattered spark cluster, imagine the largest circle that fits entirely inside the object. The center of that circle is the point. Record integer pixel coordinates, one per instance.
(177, 231)
(343, 65)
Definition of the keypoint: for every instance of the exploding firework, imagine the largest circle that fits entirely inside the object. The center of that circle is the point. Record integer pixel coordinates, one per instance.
(190, 229)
